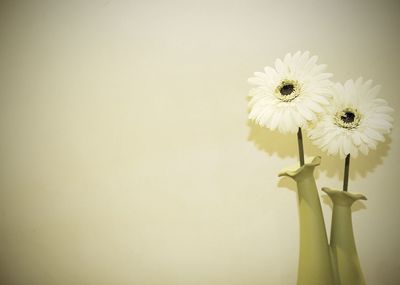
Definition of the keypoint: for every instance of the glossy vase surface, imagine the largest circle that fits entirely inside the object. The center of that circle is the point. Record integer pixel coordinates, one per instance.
(315, 264)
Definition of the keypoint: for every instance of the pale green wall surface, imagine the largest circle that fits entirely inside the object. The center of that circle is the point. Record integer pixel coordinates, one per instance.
(126, 156)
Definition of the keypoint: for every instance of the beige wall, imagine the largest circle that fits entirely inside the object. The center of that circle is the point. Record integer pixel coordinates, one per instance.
(125, 152)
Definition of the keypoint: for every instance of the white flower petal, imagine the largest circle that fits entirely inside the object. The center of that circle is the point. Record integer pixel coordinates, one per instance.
(316, 108)
(360, 135)
(280, 67)
(346, 145)
(356, 138)
(275, 120)
(274, 110)
(305, 112)
(320, 99)
(374, 134)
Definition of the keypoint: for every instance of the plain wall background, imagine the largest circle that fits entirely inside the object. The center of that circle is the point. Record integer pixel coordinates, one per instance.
(126, 156)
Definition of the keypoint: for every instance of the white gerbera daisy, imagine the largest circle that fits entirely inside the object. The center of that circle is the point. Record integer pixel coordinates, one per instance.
(356, 120)
(290, 95)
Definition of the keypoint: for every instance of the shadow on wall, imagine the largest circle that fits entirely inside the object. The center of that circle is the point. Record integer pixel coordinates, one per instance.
(273, 142)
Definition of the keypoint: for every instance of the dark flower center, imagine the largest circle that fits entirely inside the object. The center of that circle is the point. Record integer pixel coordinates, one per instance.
(287, 89)
(348, 117)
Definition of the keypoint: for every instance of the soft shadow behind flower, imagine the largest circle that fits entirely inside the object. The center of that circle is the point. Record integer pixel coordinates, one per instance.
(272, 142)
(285, 146)
(332, 166)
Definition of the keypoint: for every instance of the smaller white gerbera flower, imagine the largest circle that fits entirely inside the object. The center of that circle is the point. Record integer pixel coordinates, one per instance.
(290, 95)
(356, 120)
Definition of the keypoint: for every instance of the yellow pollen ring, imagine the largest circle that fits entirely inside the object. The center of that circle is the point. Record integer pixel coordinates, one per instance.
(294, 87)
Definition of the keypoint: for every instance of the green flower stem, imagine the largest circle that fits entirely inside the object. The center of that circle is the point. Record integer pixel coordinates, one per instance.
(346, 173)
(342, 243)
(315, 266)
(300, 145)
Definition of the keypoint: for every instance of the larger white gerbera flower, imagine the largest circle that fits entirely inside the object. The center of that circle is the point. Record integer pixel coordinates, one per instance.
(356, 120)
(290, 95)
